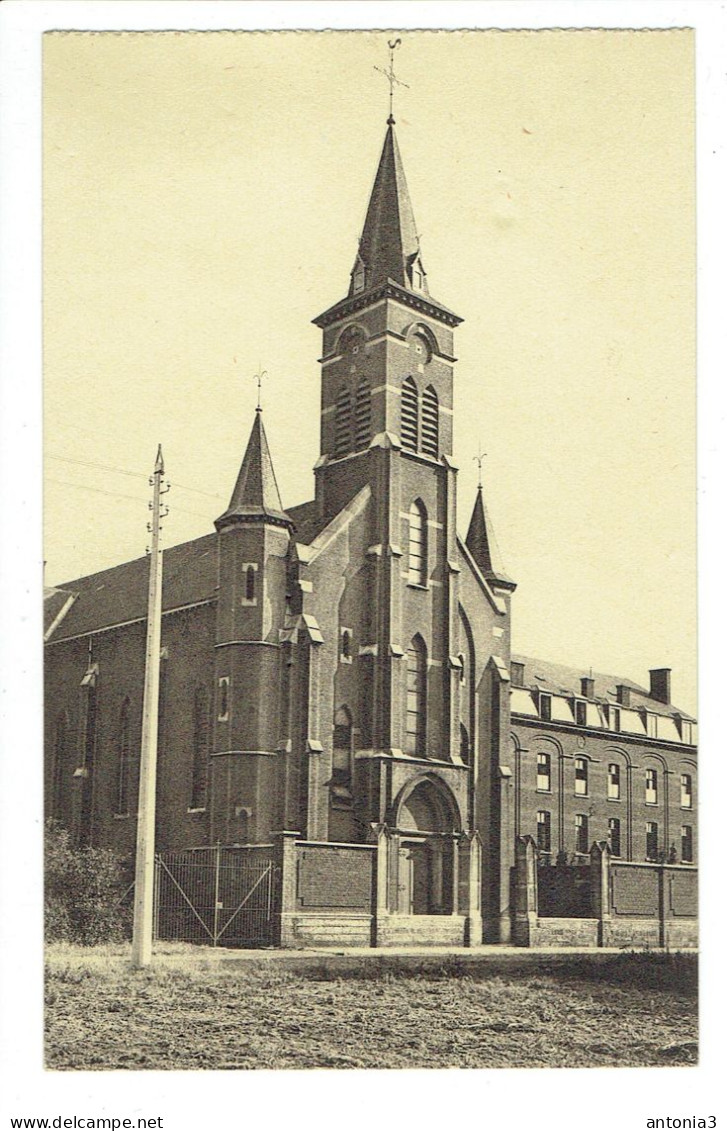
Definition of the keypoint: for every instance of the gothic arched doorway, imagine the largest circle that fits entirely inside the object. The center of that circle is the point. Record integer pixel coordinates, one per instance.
(426, 875)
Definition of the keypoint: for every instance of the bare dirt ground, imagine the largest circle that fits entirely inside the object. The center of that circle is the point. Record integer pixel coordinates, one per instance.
(189, 1012)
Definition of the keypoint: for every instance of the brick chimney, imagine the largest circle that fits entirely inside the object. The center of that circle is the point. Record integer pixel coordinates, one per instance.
(660, 687)
(623, 694)
(587, 686)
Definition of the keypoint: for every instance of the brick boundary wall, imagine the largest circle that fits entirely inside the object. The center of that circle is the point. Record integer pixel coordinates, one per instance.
(631, 904)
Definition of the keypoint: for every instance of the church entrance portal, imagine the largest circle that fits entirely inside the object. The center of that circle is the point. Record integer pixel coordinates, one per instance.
(426, 852)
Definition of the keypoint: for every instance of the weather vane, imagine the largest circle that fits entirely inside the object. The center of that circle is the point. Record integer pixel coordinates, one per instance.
(479, 458)
(391, 77)
(261, 373)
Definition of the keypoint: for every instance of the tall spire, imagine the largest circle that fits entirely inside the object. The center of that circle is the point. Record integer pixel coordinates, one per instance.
(389, 246)
(256, 497)
(482, 544)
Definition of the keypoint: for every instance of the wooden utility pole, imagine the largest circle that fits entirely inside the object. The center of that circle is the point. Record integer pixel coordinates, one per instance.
(144, 884)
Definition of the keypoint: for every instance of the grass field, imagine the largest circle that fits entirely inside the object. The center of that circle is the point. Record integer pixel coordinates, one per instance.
(192, 1011)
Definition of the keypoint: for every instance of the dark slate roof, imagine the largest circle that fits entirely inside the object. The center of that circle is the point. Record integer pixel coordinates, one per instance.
(307, 522)
(389, 243)
(562, 680)
(256, 497)
(482, 544)
(119, 594)
(55, 602)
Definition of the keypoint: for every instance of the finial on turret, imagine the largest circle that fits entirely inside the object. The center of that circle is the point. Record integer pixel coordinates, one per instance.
(392, 79)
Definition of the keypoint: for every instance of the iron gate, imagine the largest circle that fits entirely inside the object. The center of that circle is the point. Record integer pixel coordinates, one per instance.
(220, 896)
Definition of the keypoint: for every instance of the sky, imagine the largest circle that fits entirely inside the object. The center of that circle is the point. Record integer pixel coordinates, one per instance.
(203, 197)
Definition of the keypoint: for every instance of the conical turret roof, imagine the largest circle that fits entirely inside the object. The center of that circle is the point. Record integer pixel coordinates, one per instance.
(482, 544)
(256, 497)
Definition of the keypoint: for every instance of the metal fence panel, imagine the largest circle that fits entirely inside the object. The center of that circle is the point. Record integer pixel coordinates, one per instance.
(218, 896)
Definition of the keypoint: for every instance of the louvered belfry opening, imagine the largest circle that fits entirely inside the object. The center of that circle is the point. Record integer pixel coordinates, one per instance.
(362, 416)
(430, 422)
(409, 415)
(344, 434)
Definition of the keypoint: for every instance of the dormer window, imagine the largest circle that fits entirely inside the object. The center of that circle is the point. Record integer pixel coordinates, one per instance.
(546, 704)
(580, 713)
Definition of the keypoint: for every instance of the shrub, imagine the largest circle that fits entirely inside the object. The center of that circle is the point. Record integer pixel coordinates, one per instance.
(84, 890)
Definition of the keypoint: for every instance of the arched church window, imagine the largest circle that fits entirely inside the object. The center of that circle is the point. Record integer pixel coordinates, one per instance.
(343, 423)
(346, 645)
(200, 749)
(430, 422)
(417, 544)
(59, 765)
(342, 767)
(464, 744)
(362, 416)
(359, 278)
(416, 689)
(123, 778)
(409, 415)
(250, 583)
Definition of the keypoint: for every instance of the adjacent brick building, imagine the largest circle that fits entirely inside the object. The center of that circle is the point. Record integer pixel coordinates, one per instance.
(342, 669)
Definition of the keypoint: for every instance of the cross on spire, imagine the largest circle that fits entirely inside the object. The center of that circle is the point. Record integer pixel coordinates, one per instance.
(392, 79)
(479, 458)
(259, 376)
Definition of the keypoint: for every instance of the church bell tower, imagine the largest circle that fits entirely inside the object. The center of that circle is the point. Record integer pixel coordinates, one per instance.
(386, 423)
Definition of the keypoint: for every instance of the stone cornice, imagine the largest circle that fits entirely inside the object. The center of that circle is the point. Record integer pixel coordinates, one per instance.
(391, 290)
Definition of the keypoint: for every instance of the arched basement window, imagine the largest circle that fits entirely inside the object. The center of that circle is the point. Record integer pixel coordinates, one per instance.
(417, 544)
(430, 422)
(343, 424)
(416, 688)
(123, 780)
(362, 416)
(200, 752)
(409, 415)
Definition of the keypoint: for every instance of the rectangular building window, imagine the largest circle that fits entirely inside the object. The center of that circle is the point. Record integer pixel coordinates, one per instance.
(687, 844)
(651, 792)
(582, 845)
(581, 777)
(545, 707)
(686, 791)
(652, 840)
(543, 830)
(223, 699)
(650, 725)
(614, 836)
(580, 713)
(687, 735)
(544, 772)
(614, 781)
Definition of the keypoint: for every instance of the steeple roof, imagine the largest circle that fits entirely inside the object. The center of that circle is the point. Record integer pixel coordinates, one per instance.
(256, 497)
(389, 246)
(481, 543)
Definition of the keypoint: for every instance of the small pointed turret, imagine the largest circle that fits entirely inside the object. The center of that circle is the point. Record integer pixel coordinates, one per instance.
(389, 247)
(482, 544)
(256, 497)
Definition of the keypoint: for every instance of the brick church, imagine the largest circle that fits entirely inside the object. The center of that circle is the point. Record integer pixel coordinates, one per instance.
(340, 672)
